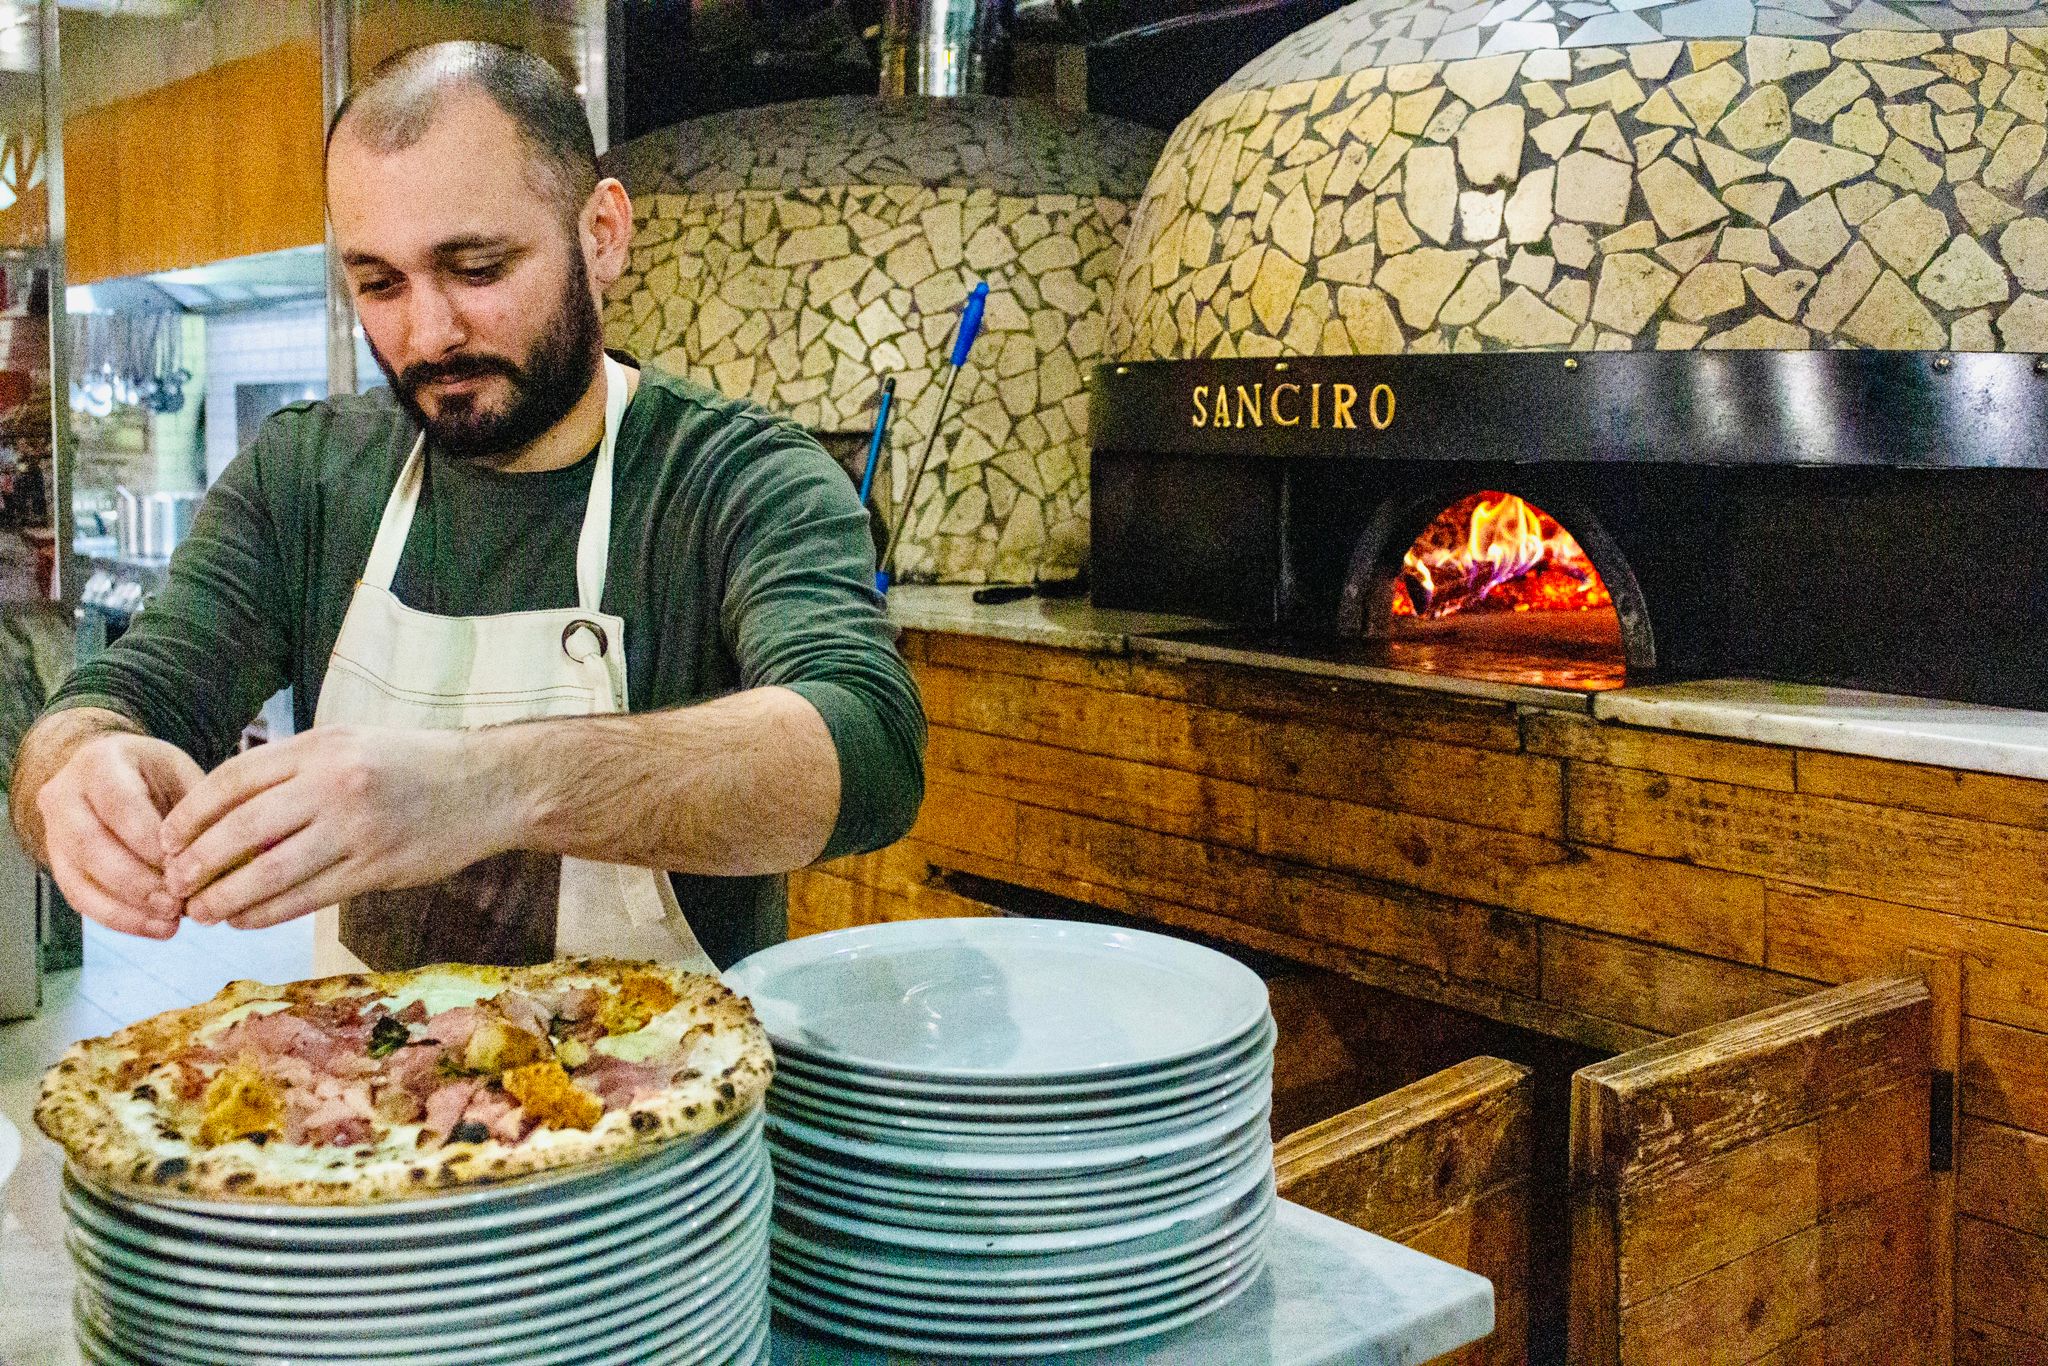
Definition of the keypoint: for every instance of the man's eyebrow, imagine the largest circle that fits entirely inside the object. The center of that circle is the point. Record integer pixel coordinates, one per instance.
(362, 258)
(457, 246)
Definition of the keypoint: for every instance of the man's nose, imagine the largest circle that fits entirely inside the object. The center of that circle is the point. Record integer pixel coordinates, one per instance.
(435, 324)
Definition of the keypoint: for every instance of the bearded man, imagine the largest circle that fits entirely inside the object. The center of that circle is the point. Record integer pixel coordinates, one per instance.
(583, 656)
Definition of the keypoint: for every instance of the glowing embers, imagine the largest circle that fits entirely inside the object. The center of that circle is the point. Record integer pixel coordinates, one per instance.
(1492, 552)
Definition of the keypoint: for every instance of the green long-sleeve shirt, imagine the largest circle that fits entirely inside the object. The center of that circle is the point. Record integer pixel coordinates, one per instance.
(740, 558)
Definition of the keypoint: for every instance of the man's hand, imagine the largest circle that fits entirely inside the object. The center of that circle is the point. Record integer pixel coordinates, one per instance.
(298, 824)
(101, 815)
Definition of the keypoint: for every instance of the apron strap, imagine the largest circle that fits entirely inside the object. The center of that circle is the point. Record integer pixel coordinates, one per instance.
(593, 545)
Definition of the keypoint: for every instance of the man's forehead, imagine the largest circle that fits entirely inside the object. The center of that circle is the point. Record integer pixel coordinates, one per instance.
(466, 179)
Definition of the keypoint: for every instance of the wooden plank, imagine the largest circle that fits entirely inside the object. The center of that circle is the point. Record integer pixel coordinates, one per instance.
(985, 654)
(1897, 1333)
(2001, 1276)
(1570, 735)
(2002, 1175)
(1593, 1299)
(1701, 909)
(1926, 787)
(1878, 1251)
(959, 819)
(1526, 1012)
(1981, 1343)
(1455, 782)
(2004, 1076)
(1489, 1236)
(1873, 1144)
(1404, 1158)
(1834, 937)
(1414, 712)
(1438, 933)
(1147, 795)
(1666, 991)
(1146, 730)
(1939, 863)
(1733, 1314)
(1716, 1211)
(1666, 1106)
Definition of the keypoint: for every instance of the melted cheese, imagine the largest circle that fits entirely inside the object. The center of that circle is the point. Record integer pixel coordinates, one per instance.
(659, 1037)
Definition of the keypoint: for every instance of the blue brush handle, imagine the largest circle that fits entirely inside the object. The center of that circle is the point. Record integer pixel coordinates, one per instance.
(970, 324)
(867, 478)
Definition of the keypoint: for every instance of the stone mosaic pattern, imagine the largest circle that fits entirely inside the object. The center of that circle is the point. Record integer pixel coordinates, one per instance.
(1397, 32)
(1882, 189)
(1018, 147)
(802, 296)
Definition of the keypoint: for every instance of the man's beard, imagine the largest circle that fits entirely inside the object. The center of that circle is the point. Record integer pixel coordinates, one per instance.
(555, 374)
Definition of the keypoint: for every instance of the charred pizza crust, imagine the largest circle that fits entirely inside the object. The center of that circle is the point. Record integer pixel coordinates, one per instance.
(114, 1133)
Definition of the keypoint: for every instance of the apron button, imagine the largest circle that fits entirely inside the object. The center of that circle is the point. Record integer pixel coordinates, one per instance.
(576, 638)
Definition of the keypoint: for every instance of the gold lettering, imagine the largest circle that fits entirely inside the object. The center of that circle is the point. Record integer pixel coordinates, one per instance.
(1372, 407)
(1342, 396)
(1278, 419)
(1251, 405)
(1221, 416)
(1201, 417)
(1315, 404)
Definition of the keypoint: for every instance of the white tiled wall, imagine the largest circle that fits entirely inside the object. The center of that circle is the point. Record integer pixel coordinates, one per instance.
(270, 347)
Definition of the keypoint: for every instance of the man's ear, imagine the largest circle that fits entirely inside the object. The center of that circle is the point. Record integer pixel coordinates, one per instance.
(607, 232)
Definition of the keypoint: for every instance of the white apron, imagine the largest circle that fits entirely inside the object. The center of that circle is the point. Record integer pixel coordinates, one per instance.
(396, 667)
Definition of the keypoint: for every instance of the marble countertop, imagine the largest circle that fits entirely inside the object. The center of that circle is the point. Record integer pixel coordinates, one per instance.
(1913, 730)
(1331, 1293)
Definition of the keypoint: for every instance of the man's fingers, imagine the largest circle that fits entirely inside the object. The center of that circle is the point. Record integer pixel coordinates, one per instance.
(170, 773)
(120, 802)
(323, 886)
(263, 822)
(217, 793)
(95, 902)
(288, 864)
(115, 868)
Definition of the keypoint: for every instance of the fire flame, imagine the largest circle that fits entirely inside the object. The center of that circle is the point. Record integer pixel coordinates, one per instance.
(1494, 552)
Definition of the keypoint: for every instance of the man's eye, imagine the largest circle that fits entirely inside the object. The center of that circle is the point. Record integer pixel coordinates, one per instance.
(481, 275)
(375, 288)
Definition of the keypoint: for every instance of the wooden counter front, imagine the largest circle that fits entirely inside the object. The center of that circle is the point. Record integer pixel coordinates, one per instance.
(1609, 885)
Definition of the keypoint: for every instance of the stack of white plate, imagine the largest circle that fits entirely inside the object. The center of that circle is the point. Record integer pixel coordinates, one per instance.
(1012, 1137)
(661, 1258)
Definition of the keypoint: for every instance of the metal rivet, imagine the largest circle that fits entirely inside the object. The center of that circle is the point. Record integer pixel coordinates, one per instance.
(1571, 362)
(2041, 365)
(1280, 367)
(1943, 362)
(1123, 369)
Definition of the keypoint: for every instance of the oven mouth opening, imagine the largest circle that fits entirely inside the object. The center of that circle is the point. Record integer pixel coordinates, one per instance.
(1500, 586)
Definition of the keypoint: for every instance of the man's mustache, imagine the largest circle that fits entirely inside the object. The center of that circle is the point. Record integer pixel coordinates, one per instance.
(455, 368)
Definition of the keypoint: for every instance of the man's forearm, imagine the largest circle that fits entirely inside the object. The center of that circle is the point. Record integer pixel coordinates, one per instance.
(46, 748)
(744, 785)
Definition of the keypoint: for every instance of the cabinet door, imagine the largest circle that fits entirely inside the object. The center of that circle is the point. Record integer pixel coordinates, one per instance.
(1441, 1165)
(1760, 1191)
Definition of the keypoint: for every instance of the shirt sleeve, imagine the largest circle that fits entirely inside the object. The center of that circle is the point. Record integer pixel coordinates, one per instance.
(801, 611)
(196, 665)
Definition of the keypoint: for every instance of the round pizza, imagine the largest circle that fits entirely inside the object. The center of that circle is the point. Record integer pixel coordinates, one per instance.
(378, 1086)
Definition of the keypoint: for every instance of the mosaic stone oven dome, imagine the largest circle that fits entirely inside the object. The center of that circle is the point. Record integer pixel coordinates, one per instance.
(1607, 174)
(796, 254)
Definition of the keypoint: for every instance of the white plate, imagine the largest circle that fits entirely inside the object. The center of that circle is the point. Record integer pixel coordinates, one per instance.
(1052, 1268)
(791, 1204)
(1028, 1163)
(215, 1287)
(1061, 1091)
(990, 999)
(1008, 1219)
(540, 1188)
(1042, 1136)
(592, 1231)
(10, 1149)
(851, 1107)
(463, 1222)
(692, 1335)
(1047, 1319)
(948, 1189)
(985, 1296)
(165, 1293)
(1016, 1108)
(665, 1313)
(859, 1330)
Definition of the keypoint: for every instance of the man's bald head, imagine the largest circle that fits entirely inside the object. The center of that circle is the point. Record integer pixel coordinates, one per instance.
(400, 99)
